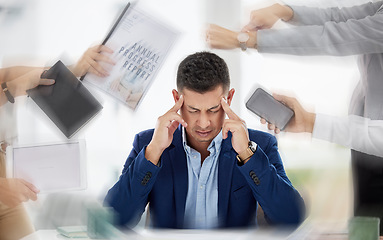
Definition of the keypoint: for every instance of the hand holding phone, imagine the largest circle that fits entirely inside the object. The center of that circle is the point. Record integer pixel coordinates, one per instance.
(267, 107)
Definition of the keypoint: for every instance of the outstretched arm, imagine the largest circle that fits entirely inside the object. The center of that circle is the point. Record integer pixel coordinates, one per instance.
(336, 32)
(18, 86)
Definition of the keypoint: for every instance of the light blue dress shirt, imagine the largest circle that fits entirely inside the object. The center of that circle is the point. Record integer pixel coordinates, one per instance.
(201, 209)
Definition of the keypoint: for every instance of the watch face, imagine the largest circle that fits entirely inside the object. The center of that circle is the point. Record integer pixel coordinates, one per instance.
(253, 146)
(243, 37)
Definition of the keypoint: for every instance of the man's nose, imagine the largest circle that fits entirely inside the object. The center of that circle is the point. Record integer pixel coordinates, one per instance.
(204, 121)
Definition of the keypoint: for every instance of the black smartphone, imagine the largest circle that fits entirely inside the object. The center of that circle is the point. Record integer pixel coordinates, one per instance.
(267, 107)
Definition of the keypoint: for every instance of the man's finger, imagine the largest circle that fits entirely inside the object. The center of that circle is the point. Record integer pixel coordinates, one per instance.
(176, 117)
(173, 126)
(177, 106)
(228, 110)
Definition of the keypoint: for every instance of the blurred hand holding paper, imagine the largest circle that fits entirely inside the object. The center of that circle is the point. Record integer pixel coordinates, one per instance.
(141, 45)
(50, 167)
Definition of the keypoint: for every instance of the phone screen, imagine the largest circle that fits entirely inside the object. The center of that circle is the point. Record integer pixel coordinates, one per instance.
(265, 106)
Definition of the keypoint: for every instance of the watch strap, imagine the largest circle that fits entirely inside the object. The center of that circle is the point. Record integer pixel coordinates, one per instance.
(243, 46)
(7, 93)
(248, 153)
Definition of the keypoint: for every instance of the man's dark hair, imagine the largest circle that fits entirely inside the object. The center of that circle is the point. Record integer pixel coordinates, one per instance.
(202, 72)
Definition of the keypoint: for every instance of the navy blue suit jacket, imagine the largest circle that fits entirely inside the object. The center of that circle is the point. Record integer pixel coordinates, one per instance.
(262, 179)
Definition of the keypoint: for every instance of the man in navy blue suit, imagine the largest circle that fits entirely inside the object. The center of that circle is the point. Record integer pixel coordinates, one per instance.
(199, 169)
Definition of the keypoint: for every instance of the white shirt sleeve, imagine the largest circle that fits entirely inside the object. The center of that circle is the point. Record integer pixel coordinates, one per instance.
(356, 132)
(319, 16)
(327, 33)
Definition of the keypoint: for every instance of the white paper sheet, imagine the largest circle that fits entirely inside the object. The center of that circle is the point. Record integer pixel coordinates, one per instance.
(50, 167)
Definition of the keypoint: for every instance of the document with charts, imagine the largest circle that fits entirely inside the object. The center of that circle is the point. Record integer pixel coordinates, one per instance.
(141, 45)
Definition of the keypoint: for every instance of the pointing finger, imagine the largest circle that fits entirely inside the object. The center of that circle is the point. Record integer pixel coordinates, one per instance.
(228, 110)
(177, 106)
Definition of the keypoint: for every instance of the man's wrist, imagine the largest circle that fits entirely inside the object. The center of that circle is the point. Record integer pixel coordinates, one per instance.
(246, 154)
(153, 154)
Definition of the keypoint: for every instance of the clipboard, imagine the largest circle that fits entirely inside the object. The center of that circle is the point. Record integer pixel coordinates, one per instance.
(67, 102)
(112, 30)
(140, 45)
(51, 167)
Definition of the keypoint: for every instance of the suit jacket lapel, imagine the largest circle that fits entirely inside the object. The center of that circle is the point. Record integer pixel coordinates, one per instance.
(225, 173)
(177, 157)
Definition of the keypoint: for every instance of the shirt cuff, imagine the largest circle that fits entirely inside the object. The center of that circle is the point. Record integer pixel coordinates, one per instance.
(323, 127)
(296, 18)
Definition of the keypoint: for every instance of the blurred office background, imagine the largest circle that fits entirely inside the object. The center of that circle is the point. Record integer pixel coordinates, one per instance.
(39, 32)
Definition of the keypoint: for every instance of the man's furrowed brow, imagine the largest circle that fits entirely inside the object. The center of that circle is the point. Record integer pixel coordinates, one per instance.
(197, 109)
(193, 108)
(215, 107)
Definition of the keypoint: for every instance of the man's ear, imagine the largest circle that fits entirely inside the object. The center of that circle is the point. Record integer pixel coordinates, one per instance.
(230, 95)
(176, 95)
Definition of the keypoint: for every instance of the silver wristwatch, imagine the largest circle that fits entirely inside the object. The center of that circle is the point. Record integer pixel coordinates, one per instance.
(243, 37)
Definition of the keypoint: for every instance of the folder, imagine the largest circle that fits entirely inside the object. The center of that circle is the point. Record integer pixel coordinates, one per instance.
(67, 102)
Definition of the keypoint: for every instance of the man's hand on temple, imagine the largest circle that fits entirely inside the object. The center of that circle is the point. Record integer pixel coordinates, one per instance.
(163, 133)
(237, 126)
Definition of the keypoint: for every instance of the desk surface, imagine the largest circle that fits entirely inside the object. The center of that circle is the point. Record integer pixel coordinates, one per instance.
(205, 235)
(45, 234)
(176, 234)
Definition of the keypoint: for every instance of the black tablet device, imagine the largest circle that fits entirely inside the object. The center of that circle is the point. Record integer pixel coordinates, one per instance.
(265, 106)
(67, 102)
